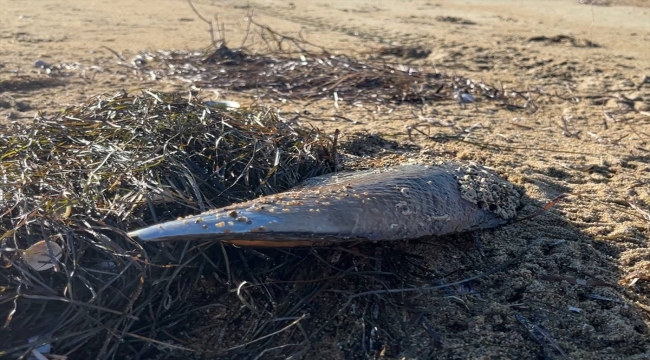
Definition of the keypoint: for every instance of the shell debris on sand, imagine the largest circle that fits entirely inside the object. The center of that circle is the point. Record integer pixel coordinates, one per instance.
(399, 202)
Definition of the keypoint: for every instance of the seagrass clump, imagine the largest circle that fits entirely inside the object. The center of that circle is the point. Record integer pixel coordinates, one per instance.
(312, 76)
(72, 184)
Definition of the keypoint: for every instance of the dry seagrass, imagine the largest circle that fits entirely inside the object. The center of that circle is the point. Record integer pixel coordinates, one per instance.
(400, 202)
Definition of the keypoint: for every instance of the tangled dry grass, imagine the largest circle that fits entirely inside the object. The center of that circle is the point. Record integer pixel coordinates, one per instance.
(312, 76)
(80, 179)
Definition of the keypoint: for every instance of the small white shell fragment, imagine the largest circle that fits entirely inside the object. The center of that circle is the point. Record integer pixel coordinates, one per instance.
(38, 257)
(223, 104)
(575, 309)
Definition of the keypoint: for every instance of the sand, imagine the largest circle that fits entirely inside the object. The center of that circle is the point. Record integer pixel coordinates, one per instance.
(581, 281)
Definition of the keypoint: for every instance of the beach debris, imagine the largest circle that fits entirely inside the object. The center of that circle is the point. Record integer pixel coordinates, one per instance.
(610, 299)
(576, 281)
(465, 98)
(403, 51)
(40, 64)
(317, 76)
(550, 348)
(400, 202)
(42, 255)
(455, 20)
(564, 39)
(138, 60)
(224, 104)
(596, 2)
(40, 351)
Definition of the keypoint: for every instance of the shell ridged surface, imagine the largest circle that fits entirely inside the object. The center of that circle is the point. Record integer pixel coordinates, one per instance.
(400, 202)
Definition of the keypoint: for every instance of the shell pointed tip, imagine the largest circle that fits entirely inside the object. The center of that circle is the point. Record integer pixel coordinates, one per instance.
(139, 234)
